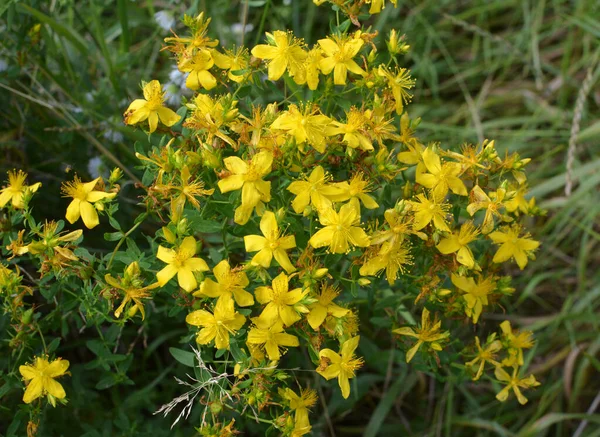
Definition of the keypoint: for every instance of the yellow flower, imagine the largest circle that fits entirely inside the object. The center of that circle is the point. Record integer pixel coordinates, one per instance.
(355, 130)
(341, 230)
(391, 257)
(248, 176)
(233, 62)
(300, 404)
(428, 333)
(476, 294)
(151, 108)
(188, 191)
(310, 74)
(281, 303)
(51, 240)
(486, 355)
(513, 246)
(308, 126)
(428, 210)
(181, 262)
(197, 41)
(316, 191)
(517, 203)
(284, 52)
(515, 383)
(441, 177)
(84, 196)
(41, 379)
(399, 83)
(197, 66)
(492, 204)
(324, 307)
(458, 242)
(273, 244)
(342, 365)
(271, 337)
(339, 52)
(378, 5)
(16, 189)
(132, 285)
(212, 116)
(514, 342)
(401, 226)
(229, 283)
(356, 190)
(225, 321)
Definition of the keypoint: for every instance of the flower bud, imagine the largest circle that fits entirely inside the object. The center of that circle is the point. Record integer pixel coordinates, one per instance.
(26, 317)
(182, 226)
(392, 42)
(319, 273)
(169, 235)
(372, 56)
(363, 282)
(115, 175)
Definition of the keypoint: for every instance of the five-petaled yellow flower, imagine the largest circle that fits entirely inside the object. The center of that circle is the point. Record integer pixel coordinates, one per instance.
(515, 383)
(400, 83)
(513, 246)
(230, 283)
(341, 230)
(271, 336)
(41, 379)
(458, 242)
(132, 285)
(151, 108)
(441, 177)
(300, 405)
(339, 54)
(342, 365)
(281, 302)
(306, 126)
(218, 326)
(197, 66)
(84, 203)
(393, 257)
(273, 244)
(181, 262)
(485, 355)
(248, 176)
(284, 52)
(493, 204)
(428, 333)
(324, 306)
(476, 293)
(315, 190)
(430, 209)
(514, 342)
(16, 189)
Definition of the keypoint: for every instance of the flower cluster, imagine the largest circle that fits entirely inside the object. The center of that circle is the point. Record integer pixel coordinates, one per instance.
(279, 199)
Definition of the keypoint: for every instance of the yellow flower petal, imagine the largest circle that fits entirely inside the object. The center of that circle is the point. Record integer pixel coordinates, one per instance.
(89, 215)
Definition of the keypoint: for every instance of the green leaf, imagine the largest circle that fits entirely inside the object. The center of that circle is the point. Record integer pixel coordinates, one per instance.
(184, 357)
(113, 236)
(107, 381)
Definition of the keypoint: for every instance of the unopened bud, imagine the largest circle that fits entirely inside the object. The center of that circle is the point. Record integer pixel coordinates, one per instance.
(169, 235)
(115, 175)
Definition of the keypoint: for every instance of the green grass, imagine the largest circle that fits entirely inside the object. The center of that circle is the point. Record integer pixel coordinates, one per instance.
(508, 70)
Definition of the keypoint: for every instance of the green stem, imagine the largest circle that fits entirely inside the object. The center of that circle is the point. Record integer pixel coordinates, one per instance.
(42, 337)
(262, 22)
(123, 238)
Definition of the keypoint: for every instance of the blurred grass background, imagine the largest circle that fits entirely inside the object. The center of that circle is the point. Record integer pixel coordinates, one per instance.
(522, 72)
